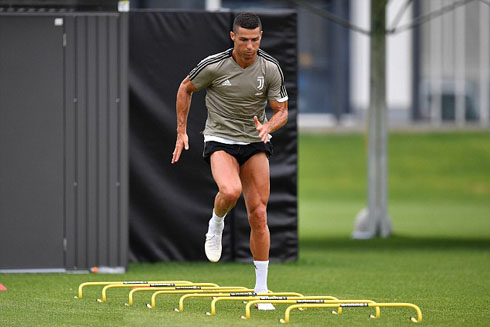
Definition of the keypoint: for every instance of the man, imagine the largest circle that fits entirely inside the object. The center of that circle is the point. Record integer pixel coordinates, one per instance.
(239, 82)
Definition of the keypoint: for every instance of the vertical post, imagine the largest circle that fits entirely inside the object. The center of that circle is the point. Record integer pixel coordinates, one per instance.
(416, 55)
(436, 66)
(123, 136)
(484, 65)
(460, 63)
(375, 222)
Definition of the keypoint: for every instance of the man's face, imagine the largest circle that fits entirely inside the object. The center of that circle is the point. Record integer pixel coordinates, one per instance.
(247, 42)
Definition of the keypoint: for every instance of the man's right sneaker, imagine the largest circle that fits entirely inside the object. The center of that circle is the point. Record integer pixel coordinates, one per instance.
(265, 306)
(212, 247)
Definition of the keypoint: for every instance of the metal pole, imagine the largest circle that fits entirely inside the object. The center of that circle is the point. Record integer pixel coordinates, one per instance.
(484, 65)
(436, 58)
(460, 73)
(375, 222)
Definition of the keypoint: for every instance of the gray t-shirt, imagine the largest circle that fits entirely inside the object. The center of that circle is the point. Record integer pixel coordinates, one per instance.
(235, 95)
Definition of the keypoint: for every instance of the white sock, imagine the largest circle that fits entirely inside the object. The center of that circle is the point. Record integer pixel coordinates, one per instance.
(216, 224)
(261, 269)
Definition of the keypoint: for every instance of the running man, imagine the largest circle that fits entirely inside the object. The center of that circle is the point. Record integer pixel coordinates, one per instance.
(238, 82)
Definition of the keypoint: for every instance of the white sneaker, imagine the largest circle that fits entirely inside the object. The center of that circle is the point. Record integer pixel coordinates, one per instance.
(265, 306)
(212, 247)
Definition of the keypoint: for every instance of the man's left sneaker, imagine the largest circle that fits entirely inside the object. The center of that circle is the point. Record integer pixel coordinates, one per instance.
(212, 246)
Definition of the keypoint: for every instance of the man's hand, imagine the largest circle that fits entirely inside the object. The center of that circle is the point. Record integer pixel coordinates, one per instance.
(181, 143)
(263, 130)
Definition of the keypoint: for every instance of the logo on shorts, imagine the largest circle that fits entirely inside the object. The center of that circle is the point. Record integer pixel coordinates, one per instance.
(226, 83)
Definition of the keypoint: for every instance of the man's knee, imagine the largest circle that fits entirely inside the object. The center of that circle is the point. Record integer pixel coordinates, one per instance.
(258, 218)
(230, 193)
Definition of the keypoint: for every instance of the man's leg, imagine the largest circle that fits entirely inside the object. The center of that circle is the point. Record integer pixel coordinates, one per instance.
(225, 170)
(254, 174)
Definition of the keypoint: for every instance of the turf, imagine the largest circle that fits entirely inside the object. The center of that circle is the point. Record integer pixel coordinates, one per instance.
(438, 257)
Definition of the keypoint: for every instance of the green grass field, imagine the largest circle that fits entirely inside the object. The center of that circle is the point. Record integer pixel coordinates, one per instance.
(438, 258)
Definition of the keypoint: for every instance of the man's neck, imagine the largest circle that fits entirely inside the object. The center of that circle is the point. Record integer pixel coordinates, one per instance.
(241, 61)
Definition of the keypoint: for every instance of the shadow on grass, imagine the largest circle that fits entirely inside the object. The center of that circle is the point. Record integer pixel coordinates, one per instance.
(395, 242)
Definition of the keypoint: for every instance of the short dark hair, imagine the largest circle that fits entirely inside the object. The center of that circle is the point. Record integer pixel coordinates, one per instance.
(247, 20)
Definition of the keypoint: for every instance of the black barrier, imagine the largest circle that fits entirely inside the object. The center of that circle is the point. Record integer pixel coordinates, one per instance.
(170, 205)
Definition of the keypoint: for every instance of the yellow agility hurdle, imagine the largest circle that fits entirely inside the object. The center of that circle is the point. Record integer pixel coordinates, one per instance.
(189, 290)
(309, 300)
(155, 286)
(260, 296)
(86, 284)
(247, 292)
(352, 305)
(146, 289)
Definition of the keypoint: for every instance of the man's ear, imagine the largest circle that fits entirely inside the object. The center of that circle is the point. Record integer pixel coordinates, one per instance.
(232, 35)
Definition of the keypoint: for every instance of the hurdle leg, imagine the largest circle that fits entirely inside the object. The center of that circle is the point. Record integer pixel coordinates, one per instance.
(409, 305)
(297, 306)
(86, 284)
(170, 285)
(186, 296)
(312, 299)
(152, 304)
(249, 298)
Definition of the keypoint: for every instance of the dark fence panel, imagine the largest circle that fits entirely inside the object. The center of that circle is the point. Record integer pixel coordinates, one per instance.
(279, 40)
(171, 205)
(96, 147)
(64, 140)
(31, 143)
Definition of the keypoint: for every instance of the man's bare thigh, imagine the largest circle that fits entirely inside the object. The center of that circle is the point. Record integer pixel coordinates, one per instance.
(225, 168)
(255, 178)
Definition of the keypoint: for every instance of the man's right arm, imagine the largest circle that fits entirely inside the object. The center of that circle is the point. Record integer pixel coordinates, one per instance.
(184, 96)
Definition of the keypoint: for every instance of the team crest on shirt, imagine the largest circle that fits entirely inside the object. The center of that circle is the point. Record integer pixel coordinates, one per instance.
(260, 86)
(260, 80)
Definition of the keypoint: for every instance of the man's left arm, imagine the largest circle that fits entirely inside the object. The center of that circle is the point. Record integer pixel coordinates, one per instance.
(278, 120)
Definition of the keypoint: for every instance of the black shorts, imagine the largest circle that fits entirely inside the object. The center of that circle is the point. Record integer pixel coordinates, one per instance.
(241, 152)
